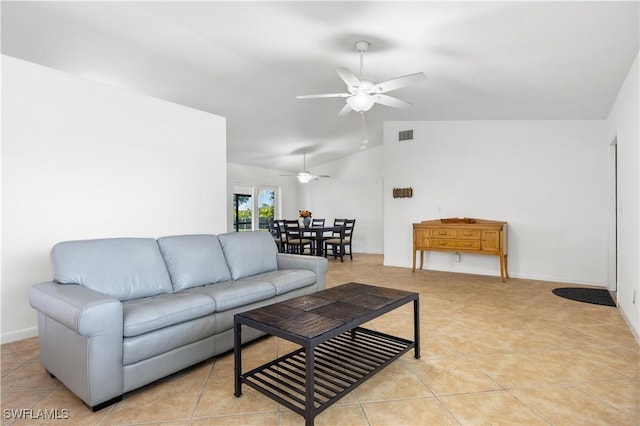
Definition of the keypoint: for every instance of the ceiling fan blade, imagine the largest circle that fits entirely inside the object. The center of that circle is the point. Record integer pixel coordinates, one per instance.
(391, 101)
(348, 77)
(323, 176)
(346, 109)
(325, 95)
(399, 82)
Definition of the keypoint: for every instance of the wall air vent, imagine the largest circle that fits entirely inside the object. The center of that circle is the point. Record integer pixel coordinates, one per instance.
(405, 135)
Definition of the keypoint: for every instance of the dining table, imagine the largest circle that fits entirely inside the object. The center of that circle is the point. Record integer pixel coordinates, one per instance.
(317, 232)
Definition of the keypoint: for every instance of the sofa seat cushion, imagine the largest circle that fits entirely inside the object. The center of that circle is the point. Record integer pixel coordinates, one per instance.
(124, 268)
(157, 342)
(285, 280)
(152, 313)
(194, 260)
(249, 253)
(232, 294)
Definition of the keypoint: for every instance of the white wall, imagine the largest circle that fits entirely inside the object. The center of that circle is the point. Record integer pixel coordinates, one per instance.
(354, 191)
(85, 160)
(623, 119)
(249, 176)
(547, 179)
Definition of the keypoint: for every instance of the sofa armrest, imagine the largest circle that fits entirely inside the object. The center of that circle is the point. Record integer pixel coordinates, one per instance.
(85, 311)
(80, 336)
(315, 264)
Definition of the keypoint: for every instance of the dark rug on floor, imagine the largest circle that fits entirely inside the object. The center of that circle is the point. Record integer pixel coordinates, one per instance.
(595, 296)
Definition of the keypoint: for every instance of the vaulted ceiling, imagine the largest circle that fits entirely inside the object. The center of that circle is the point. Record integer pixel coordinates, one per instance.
(247, 61)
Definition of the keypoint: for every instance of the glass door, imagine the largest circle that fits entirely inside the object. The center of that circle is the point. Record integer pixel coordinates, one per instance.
(253, 207)
(266, 206)
(242, 212)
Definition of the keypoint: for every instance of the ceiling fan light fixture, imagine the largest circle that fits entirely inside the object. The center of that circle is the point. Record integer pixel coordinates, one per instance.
(361, 102)
(305, 177)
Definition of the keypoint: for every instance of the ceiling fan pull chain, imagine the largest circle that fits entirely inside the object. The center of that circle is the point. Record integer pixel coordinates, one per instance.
(363, 125)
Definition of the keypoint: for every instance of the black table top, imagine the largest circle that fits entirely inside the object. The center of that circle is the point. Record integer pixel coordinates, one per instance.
(327, 311)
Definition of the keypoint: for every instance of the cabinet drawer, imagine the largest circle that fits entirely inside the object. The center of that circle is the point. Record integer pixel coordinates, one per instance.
(471, 234)
(443, 233)
(456, 244)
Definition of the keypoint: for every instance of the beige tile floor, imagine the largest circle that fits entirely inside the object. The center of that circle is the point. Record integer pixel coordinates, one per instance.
(492, 353)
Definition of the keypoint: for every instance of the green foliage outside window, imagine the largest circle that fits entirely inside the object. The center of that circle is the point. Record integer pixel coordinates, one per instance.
(265, 212)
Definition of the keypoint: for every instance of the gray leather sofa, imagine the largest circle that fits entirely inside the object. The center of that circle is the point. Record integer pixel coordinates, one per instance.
(123, 312)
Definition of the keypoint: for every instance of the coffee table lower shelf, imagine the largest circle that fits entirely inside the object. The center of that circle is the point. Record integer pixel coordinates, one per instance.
(340, 365)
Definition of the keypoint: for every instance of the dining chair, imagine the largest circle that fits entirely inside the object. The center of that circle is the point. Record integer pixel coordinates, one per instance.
(317, 222)
(349, 225)
(336, 223)
(314, 222)
(279, 223)
(339, 244)
(294, 238)
(275, 233)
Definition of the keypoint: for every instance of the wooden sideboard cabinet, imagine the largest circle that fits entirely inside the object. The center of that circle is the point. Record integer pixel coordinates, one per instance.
(466, 235)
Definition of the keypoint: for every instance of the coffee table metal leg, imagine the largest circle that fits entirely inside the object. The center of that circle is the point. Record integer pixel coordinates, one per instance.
(309, 409)
(237, 358)
(416, 328)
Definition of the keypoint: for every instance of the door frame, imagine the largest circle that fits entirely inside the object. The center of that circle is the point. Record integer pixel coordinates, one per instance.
(612, 263)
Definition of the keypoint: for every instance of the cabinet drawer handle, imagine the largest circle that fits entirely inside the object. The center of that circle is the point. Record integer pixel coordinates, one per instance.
(442, 232)
(443, 243)
(466, 233)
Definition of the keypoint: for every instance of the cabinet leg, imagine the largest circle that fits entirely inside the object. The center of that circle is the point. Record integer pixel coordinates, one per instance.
(503, 267)
(506, 267)
(421, 258)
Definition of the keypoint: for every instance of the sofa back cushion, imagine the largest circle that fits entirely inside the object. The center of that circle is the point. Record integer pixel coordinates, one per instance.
(194, 260)
(249, 253)
(124, 268)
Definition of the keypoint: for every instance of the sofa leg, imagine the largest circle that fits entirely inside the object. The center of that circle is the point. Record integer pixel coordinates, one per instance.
(106, 403)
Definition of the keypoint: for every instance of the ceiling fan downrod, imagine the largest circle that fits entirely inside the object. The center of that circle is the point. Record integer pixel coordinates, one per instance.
(362, 46)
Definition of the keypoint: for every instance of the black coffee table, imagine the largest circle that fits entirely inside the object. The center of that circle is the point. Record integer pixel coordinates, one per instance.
(335, 351)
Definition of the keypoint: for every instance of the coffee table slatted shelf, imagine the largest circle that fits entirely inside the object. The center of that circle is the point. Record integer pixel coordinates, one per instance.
(341, 364)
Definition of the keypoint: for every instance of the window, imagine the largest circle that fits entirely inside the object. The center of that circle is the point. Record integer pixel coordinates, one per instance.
(253, 207)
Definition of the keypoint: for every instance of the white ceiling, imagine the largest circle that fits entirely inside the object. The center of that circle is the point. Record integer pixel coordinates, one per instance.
(247, 61)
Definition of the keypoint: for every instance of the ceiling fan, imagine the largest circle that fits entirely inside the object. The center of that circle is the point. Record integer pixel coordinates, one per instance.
(304, 176)
(364, 92)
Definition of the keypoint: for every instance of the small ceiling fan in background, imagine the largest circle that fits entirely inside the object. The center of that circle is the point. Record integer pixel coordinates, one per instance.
(364, 92)
(304, 176)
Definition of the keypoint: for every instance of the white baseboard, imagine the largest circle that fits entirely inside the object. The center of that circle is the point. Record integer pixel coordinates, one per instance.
(626, 319)
(482, 271)
(560, 280)
(13, 336)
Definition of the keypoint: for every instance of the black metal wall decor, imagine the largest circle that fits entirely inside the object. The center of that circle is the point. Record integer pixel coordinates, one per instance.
(402, 192)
